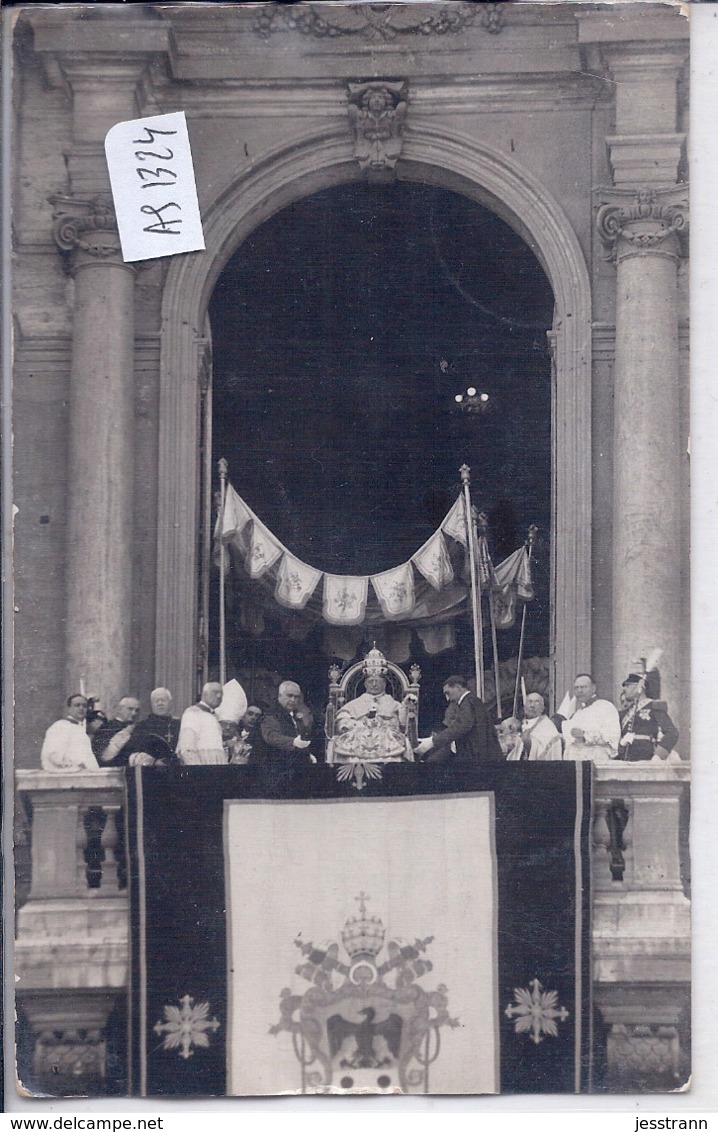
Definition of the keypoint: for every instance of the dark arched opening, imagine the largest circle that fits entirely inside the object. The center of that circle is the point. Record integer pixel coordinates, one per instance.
(343, 329)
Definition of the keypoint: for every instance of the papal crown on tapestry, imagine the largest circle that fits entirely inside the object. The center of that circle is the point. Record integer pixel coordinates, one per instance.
(362, 935)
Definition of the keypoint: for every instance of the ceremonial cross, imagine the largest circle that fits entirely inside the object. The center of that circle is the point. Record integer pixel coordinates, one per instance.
(362, 898)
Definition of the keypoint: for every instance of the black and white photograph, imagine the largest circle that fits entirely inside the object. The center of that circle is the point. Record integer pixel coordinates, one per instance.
(351, 688)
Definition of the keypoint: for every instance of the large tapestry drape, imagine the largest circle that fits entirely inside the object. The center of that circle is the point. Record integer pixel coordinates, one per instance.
(430, 935)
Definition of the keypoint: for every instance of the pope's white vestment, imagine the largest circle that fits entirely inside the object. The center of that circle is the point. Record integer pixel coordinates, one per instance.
(370, 727)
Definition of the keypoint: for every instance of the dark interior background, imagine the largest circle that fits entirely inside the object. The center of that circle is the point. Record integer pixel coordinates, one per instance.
(343, 328)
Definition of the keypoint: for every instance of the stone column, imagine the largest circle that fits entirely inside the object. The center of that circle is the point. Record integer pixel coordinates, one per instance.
(642, 229)
(105, 65)
(641, 219)
(100, 450)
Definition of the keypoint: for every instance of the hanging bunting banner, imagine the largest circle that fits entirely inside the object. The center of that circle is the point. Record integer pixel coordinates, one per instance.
(433, 562)
(524, 583)
(296, 582)
(484, 563)
(235, 517)
(512, 583)
(455, 522)
(264, 550)
(395, 590)
(344, 599)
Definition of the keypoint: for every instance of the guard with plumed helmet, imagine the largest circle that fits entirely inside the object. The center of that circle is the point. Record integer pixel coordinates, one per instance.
(647, 729)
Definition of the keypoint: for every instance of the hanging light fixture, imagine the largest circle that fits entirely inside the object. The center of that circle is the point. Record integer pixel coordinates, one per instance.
(473, 402)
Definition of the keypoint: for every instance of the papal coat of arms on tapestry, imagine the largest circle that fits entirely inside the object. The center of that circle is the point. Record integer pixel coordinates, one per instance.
(365, 1022)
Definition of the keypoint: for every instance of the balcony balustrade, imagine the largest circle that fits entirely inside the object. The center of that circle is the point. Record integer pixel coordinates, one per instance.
(641, 923)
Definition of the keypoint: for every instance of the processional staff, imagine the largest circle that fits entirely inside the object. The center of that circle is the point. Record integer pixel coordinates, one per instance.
(529, 544)
(83, 692)
(223, 470)
(485, 561)
(465, 473)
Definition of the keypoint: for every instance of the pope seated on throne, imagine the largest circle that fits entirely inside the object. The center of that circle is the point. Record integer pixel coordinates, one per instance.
(374, 725)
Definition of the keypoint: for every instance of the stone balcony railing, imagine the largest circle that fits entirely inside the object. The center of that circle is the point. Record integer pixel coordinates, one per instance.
(71, 952)
(641, 923)
(71, 947)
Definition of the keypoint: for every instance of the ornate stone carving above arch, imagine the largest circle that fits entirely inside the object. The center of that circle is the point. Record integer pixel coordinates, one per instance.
(319, 161)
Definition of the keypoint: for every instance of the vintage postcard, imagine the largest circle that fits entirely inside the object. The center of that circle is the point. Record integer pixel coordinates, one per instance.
(350, 411)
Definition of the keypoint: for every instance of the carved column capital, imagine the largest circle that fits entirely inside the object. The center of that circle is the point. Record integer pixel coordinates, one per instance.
(643, 222)
(377, 115)
(85, 231)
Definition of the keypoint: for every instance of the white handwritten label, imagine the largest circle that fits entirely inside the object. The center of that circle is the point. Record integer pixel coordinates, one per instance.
(153, 187)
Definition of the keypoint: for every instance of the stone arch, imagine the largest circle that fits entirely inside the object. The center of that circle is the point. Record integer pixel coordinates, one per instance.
(316, 162)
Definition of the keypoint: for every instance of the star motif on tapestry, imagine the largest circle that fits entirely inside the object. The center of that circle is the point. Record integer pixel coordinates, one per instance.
(186, 1026)
(536, 1012)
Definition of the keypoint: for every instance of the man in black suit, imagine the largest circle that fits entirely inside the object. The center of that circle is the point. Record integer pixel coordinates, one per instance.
(285, 730)
(467, 736)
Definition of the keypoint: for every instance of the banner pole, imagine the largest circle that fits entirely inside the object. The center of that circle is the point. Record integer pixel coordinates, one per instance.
(484, 524)
(465, 473)
(529, 544)
(83, 692)
(223, 469)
